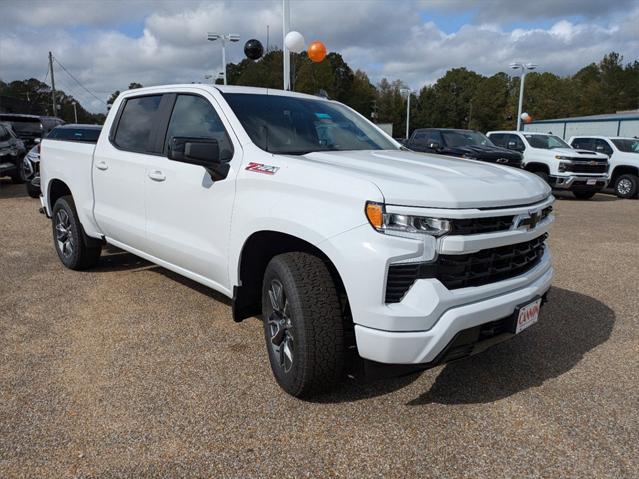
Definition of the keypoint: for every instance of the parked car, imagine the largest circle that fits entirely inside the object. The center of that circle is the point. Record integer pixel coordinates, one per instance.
(11, 152)
(623, 156)
(583, 172)
(303, 211)
(469, 144)
(31, 161)
(31, 127)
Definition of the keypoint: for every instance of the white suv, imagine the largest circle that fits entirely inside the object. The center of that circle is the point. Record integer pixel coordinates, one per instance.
(552, 159)
(623, 156)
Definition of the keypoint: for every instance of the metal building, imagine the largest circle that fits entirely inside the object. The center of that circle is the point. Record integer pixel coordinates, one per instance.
(612, 124)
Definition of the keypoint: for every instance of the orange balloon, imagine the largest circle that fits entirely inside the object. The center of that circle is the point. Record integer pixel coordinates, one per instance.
(528, 119)
(317, 51)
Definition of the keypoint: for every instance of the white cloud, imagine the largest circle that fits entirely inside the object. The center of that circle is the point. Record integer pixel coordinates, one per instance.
(383, 38)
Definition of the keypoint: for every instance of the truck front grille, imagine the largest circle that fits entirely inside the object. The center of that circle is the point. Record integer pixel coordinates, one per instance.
(464, 270)
(587, 167)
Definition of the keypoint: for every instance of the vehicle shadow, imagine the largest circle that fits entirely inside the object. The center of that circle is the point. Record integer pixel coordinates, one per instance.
(602, 197)
(9, 189)
(115, 259)
(570, 325)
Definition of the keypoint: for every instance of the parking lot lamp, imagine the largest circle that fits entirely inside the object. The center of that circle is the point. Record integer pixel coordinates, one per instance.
(225, 37)
(523, 67)
(75, 112)
(407, 93)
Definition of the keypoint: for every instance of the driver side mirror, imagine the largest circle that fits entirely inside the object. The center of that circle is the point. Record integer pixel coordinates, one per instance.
(599, 148)
(433, 145)
(203, 152)
(37, 140)
(511, 145)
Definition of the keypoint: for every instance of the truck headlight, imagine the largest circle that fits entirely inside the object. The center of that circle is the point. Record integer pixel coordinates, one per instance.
(404, 225)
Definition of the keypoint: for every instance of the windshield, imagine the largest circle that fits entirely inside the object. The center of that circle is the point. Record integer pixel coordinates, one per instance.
(547, 142)
(454, 138)
(627, 145)
(296, 126)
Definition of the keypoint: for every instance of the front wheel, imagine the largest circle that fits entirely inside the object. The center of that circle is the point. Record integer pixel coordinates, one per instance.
(627, 186)
(584, 195)
(71, 243)
(542, 175)
(303, 324)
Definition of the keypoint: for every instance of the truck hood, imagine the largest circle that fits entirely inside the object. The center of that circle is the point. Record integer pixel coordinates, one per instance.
(577, 154)
(418, 179)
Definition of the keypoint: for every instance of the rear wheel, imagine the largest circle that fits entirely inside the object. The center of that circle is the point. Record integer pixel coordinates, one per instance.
(627, 186)
(71, 243)
(302, 324)
(584, 195)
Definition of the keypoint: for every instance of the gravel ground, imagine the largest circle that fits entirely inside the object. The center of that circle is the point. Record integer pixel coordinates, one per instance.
(132, 371)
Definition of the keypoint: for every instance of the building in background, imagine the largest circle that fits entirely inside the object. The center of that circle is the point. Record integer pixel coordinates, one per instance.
(623, 123)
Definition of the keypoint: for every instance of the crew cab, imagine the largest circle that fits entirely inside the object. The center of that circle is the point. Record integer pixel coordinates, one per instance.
(304, 212)
(623, 157)
(468, 144)
(564, 168)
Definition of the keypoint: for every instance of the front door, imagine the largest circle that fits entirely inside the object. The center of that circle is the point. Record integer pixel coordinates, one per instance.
(189, 214)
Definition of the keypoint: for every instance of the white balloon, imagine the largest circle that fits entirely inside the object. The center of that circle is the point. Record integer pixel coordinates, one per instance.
(294, 41)
(525, 116)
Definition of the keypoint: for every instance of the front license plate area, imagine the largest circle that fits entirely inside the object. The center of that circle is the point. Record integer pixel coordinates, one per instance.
(526, 315)
(591, 182)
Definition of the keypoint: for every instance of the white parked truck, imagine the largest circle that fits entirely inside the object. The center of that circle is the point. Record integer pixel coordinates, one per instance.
(304, 212)
(623, 156)
(564, 168)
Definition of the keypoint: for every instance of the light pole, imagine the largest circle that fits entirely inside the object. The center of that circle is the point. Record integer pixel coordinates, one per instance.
(75, 112)
(407, 92)
(523, 67)
(286, 63)
(225, 37)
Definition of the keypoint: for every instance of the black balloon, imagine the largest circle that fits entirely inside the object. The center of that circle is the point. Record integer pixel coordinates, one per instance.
(253, 49)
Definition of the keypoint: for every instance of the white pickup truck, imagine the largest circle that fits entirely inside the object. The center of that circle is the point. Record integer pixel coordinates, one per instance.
(301, 210)
(582, 172)
(623, 156)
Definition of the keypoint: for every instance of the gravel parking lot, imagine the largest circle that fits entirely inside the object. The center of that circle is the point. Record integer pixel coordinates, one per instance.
(131, 371)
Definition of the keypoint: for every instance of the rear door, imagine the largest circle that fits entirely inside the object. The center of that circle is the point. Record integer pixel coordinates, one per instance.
(119, 170)
(188, 213)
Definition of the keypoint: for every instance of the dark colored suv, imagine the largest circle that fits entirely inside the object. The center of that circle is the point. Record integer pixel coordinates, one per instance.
(30, 127)
(12, 150)
(469, 144)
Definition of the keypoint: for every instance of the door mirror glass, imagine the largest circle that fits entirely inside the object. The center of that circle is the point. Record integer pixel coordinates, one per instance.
(203, 152)
(36, 140)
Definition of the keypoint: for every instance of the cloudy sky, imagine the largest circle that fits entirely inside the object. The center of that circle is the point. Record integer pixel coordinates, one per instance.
(106, 44)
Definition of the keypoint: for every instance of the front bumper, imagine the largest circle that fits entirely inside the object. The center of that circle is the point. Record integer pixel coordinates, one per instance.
(425, 347)
(578, 182)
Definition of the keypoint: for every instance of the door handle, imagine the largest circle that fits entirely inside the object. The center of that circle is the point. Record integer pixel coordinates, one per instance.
(102, 165)
(157, 175)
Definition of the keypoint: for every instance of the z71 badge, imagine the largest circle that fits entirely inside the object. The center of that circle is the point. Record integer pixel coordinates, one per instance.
(261, 168)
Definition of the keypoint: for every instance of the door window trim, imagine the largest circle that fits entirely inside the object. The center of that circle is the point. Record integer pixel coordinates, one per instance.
(150, 148)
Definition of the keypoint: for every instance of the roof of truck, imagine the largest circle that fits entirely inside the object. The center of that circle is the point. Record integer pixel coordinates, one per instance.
(226, 89)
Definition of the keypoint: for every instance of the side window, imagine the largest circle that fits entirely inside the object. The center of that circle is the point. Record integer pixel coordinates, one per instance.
(195, 117)
(498, 139)
(136, 123)
(420, 136)
(602, 146)
(434, 136)
(583, 144)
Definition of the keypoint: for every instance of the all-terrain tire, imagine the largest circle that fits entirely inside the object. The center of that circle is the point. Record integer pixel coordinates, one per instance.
(627, 186)
(75, 249)
(308, 309)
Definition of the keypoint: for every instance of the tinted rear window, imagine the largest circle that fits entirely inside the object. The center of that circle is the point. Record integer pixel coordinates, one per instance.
(136, 123)
(89, 135)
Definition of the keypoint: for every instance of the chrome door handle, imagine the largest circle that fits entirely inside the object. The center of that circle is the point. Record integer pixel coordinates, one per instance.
(101, 165)
(157, 176)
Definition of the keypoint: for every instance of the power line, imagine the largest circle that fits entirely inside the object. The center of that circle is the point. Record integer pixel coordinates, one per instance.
(78, 82)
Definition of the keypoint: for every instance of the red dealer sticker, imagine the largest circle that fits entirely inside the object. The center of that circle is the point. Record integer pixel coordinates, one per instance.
(528, 315)
(261, 168)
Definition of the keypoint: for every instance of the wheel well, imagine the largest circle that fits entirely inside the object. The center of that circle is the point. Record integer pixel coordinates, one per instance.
(623, 170)
(534, 167)
(57, 189)
(257, 251)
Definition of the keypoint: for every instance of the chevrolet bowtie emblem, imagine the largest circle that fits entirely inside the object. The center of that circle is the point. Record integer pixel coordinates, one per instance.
(528, 220)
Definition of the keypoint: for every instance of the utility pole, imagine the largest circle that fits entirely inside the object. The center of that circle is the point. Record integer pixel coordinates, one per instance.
(55, 108)
(75, 112)
(286, 22)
